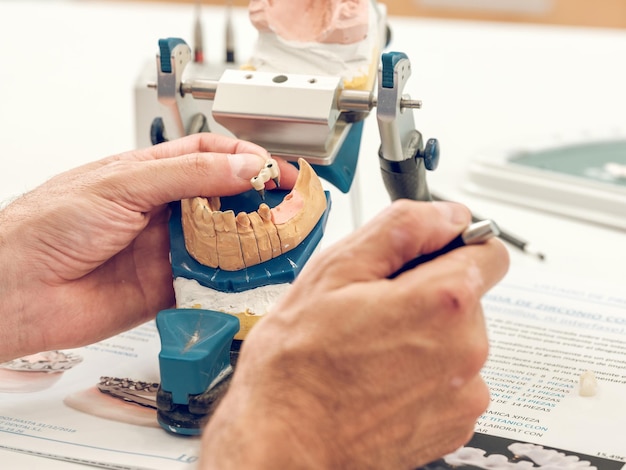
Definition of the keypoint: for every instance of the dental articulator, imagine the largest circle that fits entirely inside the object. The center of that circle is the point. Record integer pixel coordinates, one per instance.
(232, 257)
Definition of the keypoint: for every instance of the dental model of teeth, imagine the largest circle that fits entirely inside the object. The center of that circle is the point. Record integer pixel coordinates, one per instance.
(339, 38)
(49, 361)
(221, 239)
(35, 372)
(546, 459)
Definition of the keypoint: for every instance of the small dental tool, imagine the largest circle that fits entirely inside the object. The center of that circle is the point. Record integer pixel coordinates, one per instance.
(478, 232)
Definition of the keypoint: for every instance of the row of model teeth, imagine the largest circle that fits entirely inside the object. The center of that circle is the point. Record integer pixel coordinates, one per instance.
(221, 239)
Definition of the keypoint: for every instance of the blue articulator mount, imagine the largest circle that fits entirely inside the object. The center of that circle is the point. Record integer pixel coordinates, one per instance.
(342, 171)
(198, 352)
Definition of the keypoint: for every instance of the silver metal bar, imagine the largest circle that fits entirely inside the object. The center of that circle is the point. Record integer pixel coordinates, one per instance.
(200, 89)
(348, 100)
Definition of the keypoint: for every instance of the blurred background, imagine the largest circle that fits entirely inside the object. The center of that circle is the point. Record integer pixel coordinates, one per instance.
(602, 13)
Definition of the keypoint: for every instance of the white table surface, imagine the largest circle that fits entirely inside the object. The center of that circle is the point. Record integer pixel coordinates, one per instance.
(66, 97)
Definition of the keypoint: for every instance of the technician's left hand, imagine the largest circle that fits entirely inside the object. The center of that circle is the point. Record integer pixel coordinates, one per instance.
(86, 255)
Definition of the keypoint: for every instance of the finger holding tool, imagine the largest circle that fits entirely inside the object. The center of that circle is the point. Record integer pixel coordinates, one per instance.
(478, 232)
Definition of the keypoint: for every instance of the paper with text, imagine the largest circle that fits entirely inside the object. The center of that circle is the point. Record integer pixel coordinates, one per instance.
(544, 334)
(41, 422)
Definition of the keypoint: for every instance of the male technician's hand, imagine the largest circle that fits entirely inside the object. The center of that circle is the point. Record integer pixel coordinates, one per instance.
(353, 370)
(85, 255)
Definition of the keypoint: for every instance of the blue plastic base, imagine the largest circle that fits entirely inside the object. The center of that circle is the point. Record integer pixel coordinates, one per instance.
(341, 172)
(195, 362)
(282, 269)
(195, 349)
(180, 430)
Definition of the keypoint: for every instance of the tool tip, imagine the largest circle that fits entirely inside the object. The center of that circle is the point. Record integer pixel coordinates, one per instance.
(531, 250)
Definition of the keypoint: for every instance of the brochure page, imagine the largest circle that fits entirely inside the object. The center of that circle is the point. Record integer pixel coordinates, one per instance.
(556, 372)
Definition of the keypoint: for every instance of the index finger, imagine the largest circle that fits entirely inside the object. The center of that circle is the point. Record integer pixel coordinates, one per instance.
(461, 277)
(205, 142)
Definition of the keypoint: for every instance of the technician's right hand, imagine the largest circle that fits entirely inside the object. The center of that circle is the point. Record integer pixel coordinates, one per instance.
(353, 370)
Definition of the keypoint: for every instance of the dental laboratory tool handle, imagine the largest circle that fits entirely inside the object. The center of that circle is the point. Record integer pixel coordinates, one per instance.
(478, 232)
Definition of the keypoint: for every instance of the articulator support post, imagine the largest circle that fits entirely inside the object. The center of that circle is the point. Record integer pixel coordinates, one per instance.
(180, 117)
(402, 155)
(198, 351)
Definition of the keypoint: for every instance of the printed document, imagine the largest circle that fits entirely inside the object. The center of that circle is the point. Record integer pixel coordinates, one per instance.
(545, 334)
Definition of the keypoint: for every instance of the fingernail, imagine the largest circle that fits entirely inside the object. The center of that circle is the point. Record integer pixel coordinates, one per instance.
(456, 213)
(245, 165)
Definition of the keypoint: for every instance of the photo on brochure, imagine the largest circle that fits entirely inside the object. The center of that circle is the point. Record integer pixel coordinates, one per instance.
(497, 453)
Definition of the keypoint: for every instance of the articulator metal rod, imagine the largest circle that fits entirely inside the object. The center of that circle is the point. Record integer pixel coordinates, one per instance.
(348, 100)
(200, 89)
(357, 100)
